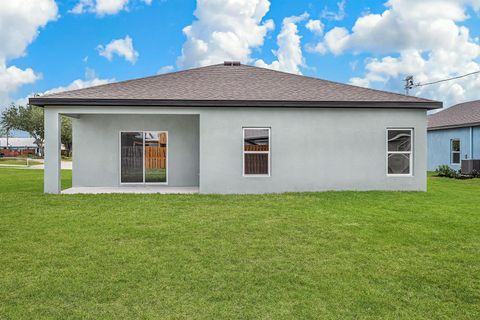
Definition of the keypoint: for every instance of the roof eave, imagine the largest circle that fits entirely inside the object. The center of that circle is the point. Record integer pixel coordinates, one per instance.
(454, 126)
(45, 101)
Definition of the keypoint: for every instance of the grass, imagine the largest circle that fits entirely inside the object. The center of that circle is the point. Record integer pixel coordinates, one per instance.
(19, 162)
(332, 255)
(151, 175)
(155, 175)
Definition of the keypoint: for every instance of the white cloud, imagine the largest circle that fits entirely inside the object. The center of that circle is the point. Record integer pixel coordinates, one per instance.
(20, 21)
(91, 79)
(79, 84)
(406, 24)
(318, 48)
(289, 54)
(121, 47)
(224, 30)
(421, 38)
(332, 15)
(11, 79)
(165, 69)
(336, 40)
(102, 7)
(315, 26)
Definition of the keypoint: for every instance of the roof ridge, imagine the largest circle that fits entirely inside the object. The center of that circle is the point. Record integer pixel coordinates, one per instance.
(455, 106)
(338, 83)
(50, 95)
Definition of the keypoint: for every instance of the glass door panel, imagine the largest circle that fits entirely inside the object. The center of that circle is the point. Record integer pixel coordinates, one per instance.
(155, 156)
(131, 157)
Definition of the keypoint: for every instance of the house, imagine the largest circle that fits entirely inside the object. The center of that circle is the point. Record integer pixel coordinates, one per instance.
(453, 135)
(234, 128)
(14, 147)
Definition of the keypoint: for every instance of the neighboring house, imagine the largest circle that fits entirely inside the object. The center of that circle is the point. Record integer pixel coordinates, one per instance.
(234, 128)
(14, 147)
(453, 135)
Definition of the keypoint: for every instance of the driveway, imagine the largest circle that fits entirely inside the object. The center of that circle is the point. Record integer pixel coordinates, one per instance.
(66, 165)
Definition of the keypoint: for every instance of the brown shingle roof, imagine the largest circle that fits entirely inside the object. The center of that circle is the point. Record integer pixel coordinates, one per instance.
(461, 115)
(239, 85)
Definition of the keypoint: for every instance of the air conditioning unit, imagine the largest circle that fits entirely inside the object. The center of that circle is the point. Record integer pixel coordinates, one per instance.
(468, 166)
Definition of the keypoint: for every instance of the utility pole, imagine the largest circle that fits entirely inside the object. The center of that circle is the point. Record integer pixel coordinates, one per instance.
(409, 84)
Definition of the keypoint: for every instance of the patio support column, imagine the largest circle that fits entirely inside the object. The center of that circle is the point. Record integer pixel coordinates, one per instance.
(52, 151)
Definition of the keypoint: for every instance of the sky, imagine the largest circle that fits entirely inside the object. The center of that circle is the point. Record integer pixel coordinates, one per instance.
(49, 46)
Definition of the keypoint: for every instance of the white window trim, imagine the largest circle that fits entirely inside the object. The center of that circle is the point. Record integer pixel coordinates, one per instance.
(257, 152)
(143, 160)
(452, 152)
(410, 174)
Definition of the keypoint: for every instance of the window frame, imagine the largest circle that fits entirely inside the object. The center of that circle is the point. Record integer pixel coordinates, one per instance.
(411, 153)
(143, 158)
(269, 152)
(452, 152)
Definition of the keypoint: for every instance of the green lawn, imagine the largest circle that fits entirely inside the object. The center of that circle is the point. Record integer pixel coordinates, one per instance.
(155, 175)
(333, 255)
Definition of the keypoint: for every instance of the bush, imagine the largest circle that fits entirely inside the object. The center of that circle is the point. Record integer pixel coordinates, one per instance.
(475, 174)
(446, 171)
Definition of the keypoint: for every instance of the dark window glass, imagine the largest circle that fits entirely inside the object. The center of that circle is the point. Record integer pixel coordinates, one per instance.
(256, 163)
(256, 140)
(155, 156)
(456, 157)
(132, 156)
(456, 145)
(399, 163)
(399, 140)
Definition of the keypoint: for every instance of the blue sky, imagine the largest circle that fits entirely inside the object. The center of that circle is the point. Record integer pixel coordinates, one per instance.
(368, 43)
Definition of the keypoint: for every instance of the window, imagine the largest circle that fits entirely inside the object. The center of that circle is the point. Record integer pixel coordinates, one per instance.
(256, 151)
(455, 151)
(143, 157)
(399, 151)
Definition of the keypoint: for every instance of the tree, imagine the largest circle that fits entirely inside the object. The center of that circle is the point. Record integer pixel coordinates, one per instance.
(8, 121)
(66, 135)
(30, 119)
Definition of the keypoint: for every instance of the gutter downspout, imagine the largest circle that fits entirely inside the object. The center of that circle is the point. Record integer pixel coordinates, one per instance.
(471, 142)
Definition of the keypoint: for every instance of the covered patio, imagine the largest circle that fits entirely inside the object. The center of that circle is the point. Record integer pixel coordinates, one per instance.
(125, 150)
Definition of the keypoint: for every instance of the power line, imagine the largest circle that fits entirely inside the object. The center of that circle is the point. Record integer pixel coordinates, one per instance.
(410, 84)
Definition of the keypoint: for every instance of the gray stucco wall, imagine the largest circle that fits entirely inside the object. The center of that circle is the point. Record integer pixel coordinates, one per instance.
(311, 149)
(96, 147)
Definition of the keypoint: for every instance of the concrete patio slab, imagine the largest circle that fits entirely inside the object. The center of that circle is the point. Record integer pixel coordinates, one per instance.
(132, 189)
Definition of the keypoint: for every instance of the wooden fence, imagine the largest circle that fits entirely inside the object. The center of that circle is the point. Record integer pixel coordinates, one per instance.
(16, 152)
(256, 163)
(251, 147)
(155, 157)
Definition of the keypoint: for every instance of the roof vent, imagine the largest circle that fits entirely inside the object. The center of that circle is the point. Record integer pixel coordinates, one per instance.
(231, 63)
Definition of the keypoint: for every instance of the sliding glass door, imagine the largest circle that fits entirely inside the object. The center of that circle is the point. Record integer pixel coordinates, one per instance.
(132, 157)
(143, 157)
